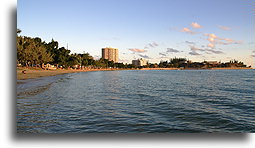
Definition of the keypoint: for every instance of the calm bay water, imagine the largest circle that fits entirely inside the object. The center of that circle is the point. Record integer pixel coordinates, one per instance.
(138, 102)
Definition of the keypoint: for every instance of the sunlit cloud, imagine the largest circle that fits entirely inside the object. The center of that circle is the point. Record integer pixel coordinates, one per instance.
(187, 30)
(224, 28)
(193, 48)
(227, 41)
(213, 39)
(137, 50)
(211, 35)
(231, 41)
(211, 45)
(195, 25)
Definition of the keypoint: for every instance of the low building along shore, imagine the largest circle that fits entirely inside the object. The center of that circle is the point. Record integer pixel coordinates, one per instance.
(140, 62)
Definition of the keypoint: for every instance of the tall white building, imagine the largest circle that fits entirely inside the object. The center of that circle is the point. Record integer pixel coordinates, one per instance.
(111, 54)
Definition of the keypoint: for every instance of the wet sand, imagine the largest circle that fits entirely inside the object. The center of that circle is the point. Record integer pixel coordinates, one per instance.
(231, 68)
(160, 69)
(36, 73)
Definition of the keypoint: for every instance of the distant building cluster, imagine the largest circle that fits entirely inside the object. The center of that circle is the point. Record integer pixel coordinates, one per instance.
(111, 54)
(140, 62)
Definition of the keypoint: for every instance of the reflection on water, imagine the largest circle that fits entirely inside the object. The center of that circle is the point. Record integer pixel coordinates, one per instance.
(138, 101)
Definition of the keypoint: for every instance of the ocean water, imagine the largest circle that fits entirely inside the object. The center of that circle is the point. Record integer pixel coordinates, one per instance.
(138, 101)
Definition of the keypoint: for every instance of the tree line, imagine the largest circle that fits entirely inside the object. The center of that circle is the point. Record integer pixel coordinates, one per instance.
(35, 52)
(184, 63)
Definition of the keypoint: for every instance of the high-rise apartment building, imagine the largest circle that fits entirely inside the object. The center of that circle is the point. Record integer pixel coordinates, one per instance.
(111, 54)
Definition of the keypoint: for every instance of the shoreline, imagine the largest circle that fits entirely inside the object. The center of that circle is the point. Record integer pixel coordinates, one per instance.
(36, 73)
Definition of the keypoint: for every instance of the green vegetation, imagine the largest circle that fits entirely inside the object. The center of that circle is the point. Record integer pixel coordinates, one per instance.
(184, 63)
(33, 52)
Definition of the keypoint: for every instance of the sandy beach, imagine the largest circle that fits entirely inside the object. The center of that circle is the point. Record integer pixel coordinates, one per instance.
(36, 73)
(231, 68)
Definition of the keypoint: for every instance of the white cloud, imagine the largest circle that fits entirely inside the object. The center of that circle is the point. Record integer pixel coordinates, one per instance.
(195, 25)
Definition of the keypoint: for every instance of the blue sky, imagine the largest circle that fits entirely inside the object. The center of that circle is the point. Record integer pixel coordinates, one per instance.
(153, 29)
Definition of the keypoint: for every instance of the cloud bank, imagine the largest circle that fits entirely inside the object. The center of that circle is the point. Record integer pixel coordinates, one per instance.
(213, 40)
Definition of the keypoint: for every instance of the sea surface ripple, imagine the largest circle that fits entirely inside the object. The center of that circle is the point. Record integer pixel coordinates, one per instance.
(138, 101)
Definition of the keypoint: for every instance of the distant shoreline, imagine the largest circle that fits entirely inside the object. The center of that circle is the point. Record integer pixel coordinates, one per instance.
(36, 73)
(226, 68)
